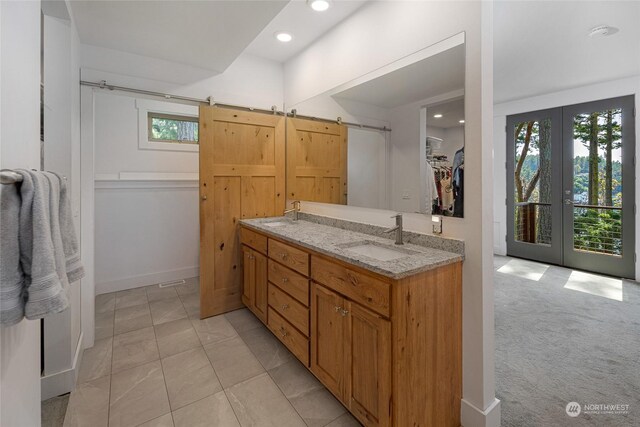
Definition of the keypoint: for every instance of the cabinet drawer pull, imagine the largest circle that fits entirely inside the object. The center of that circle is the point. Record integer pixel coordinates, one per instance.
(285, 280)
(283, 255)
(344, 312)
(283, 332)
(337, 308)
(285, 306)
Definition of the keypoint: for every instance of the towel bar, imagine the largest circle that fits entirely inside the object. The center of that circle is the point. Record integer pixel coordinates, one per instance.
(7, 176)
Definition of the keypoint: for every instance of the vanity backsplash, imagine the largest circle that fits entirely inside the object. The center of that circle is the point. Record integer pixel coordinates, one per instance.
(428, 240)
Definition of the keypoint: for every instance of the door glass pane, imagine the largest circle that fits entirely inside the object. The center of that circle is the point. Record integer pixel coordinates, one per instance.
(532, 179)
(597, 182)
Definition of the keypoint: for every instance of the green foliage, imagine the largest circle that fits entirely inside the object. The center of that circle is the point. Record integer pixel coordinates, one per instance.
(174, 130)
(598, 230)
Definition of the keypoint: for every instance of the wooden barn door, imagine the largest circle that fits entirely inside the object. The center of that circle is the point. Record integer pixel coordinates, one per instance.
(242, 175)
(316, 161)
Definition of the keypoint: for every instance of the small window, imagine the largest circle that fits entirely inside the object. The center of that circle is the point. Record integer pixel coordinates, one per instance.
(173, 128)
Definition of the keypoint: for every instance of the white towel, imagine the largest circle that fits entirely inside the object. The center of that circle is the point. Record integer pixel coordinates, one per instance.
(74, 268)
(43, 288)
(11, 276)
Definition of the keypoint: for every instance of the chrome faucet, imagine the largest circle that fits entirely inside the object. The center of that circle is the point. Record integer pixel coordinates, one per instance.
(295, 210)
(397, 229)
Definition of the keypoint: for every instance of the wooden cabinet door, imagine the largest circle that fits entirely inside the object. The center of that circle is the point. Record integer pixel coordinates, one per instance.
(248, 277)
(260, 285)
(316, 161)
(327, 339)
(368, 391)
(242, 175)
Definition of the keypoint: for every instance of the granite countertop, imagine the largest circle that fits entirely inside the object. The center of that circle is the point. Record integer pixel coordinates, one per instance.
(335, 242)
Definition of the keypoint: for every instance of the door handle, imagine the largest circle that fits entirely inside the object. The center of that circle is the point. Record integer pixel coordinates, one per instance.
(204, 197)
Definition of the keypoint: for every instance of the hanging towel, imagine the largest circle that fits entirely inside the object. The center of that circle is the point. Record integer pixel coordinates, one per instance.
(11, 276)
(74, 268)
(56, 235)
(43, 288)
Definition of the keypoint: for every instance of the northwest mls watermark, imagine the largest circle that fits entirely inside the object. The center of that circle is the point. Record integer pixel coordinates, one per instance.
(574, 409)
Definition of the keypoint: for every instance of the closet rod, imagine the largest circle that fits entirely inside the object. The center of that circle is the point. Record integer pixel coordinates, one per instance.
(274, 110)
(103, 85)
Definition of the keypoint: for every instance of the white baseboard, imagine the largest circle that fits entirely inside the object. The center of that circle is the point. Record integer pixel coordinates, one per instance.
(64, 381)
(471, 416)
(145, 280)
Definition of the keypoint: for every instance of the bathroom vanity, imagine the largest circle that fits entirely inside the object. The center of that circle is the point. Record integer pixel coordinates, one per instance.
(380, 325)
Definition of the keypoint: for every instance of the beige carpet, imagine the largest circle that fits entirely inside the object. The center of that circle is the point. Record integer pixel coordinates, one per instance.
(565, 336)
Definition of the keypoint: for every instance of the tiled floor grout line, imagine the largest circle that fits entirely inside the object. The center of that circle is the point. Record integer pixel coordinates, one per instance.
(202, 347)
(225, 390)
(275, 382)
(235, 414)
(210, 363)
(164, 379)
(267, 370)
(254, 355)
(111, 367)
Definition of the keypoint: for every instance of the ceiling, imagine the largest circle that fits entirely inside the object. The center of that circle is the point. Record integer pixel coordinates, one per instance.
(543, 46)
(433, 76)
(305, 24)
(205, 34)
(452, 112)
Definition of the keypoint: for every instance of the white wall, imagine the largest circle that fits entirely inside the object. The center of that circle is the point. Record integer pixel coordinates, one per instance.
(371, 38)
(116, 144)
(611, 89)
(367, 172)
(145, 233)
(408, 154)
(20, 148)
(62, 331)
(453, 141)
(147, 229)
(249, 81)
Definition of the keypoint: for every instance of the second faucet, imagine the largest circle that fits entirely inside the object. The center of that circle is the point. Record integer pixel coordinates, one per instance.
(397, 229)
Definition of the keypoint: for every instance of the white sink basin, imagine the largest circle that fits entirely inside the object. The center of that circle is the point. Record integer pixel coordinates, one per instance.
(277, 223)
(378, 252)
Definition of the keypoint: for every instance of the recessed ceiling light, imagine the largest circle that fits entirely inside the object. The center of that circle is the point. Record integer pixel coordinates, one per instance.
(461, 121)
(437, 116)
(319, 5)
(602, 31)
(284, 37)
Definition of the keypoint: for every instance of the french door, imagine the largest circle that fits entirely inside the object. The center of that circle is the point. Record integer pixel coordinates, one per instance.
(571, 186)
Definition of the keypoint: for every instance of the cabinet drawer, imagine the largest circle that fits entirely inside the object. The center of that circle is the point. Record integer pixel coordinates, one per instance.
(294, 312)
(291, 282)
(255, 240)
(294, 340)
(366, 290)
(288, 255)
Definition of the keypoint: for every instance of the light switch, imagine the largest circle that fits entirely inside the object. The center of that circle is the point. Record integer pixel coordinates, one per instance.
(406, 194)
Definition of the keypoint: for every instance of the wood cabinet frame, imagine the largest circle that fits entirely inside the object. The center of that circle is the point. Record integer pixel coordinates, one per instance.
(410, 348)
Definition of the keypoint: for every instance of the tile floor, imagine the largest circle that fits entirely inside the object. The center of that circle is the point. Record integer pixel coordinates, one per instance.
(155, 363)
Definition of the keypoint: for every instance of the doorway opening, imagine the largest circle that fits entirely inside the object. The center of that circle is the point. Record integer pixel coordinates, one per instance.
(571, 186)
